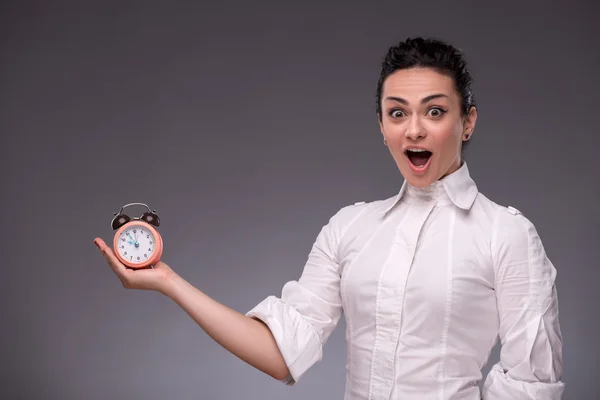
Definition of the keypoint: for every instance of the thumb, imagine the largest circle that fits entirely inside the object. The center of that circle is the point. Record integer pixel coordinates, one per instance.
(162, 265)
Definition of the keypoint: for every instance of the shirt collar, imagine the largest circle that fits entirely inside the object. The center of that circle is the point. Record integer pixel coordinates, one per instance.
(459, 186)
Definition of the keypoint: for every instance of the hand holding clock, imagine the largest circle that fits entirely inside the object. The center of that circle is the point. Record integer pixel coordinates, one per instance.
(136, 251)
(145, 279)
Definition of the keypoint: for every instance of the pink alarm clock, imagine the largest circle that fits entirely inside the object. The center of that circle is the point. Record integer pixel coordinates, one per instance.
(137, 243)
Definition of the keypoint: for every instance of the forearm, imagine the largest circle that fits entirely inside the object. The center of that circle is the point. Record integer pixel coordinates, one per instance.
(245, 337)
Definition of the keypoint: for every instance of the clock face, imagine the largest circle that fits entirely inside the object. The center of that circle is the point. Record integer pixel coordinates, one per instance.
(136, 244)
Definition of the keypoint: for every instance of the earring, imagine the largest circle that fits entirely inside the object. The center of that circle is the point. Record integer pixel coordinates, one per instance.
(385, 142)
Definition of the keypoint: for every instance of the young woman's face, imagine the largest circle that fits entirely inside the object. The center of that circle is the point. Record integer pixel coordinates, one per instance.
(421, 110)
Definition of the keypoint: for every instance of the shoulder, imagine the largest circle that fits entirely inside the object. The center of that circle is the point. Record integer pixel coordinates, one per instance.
(515, 235)
(350, 213)
(503, 218)
(509, 221)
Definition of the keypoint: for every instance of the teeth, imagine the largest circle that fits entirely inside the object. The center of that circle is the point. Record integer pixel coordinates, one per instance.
(415, 150)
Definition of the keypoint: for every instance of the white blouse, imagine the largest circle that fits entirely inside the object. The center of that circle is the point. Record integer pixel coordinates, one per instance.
(427, 280)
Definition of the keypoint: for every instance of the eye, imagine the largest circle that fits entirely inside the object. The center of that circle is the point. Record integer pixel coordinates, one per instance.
(436, 112)
(396, 113)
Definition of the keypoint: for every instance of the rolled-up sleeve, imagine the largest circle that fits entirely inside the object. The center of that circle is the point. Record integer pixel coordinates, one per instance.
(530, 364)
(309, 309)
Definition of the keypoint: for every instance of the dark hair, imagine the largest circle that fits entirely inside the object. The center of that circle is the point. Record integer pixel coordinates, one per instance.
(429, 53)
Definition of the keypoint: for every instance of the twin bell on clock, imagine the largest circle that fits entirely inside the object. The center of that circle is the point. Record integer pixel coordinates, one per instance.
(137, 243)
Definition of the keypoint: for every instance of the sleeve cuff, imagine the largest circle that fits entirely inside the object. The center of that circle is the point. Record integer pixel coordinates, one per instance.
(297, 340)
(500, 386)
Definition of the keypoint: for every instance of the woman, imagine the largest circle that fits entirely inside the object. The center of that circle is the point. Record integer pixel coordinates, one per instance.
(427, 279)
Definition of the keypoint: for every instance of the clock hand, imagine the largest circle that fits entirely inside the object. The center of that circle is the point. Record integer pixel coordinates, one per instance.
(134, 241)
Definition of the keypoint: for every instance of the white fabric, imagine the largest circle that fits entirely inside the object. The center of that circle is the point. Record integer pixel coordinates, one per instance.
(427, 281)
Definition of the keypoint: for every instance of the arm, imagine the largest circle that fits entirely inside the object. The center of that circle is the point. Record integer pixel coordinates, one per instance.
(530, 364)
(246, 338)
(309, 309)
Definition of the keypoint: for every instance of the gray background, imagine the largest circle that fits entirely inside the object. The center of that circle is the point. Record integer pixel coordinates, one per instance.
(246, 126)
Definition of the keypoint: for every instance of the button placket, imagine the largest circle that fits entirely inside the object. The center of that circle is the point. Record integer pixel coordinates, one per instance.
(390, 299)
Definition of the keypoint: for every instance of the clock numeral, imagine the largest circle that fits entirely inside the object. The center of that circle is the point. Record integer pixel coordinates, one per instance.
(149, 249)
(135, 231)
(122, 240)
(147, 236)
(122, 246)
(125, 253)
(151, 242)
(145, 255)
(138, 258)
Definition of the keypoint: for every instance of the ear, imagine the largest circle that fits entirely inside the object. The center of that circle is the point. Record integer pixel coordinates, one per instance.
(379, 121)
(469, 123)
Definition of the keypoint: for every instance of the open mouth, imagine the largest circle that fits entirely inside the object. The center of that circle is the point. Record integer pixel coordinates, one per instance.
(419, 158)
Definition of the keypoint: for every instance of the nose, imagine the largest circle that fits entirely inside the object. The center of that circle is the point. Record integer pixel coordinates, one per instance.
(414, 129)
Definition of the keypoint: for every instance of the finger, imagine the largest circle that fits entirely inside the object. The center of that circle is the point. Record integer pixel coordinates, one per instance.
(103, 247)
(110, 257)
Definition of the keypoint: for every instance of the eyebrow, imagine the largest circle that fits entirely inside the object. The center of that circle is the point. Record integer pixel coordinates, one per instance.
(423, 101)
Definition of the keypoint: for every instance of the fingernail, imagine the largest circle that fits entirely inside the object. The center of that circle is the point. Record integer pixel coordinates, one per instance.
(96, 243)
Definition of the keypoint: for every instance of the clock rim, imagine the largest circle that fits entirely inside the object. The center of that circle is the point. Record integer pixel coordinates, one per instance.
(157, 248)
